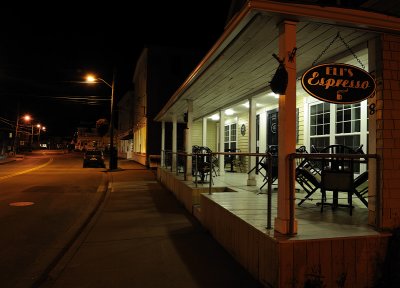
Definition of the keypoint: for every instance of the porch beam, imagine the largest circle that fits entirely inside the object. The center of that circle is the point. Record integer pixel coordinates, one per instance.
(204, 131)
(174, 141)
(286, 129)
(221, 141)
(188, 135)
(163, 144)
(251, 180)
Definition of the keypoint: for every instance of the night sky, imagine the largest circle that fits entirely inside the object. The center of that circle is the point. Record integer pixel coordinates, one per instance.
(45, 52)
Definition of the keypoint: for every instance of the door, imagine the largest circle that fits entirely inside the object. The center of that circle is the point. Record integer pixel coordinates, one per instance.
(272, 127)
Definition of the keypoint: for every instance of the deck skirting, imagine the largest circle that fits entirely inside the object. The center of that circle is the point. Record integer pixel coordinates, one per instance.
(277, 260)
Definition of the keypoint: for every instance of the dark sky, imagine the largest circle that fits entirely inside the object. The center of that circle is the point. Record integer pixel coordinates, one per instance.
(46, 49)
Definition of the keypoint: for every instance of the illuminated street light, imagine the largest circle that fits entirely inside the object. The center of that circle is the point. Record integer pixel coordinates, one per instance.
(92, 79)
(40, 128)
(26, 118)
(113, 157)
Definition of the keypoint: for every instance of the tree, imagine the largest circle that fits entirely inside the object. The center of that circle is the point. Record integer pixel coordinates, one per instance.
(102, 126)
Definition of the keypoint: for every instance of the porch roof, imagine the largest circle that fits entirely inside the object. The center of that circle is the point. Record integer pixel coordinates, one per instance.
(240, 64)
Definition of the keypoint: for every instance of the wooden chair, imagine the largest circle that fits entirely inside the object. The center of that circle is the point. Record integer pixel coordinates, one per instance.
(361, 187)
(309, 181)
(201, 163)
(273, 152)
(214, 161)
(337, 175)
(239, 162)
(307, 175)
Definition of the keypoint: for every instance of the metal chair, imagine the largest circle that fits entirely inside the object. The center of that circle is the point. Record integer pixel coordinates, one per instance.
(361, 187)
(337, 175)
(273, 154)
(309, 181)
(307, 175)
(239, 162)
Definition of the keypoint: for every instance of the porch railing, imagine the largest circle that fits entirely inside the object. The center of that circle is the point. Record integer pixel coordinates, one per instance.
(321, 157)
(181, 167)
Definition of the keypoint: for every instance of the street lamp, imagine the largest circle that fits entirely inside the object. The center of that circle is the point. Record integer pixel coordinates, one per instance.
(26, 118)
(40, 128)
(113, 157)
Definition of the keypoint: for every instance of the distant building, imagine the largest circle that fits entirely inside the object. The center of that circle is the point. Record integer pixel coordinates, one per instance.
(6, 140)
(125, 125)
(88, 138)
(159, 72)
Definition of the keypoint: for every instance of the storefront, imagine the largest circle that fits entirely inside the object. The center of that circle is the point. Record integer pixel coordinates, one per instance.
(232, 85)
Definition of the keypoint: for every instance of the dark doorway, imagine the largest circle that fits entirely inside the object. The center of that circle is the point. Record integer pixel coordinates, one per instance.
(272, 127)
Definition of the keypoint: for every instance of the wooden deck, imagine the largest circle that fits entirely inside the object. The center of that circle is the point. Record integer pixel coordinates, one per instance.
(251, 205)
(331, 247)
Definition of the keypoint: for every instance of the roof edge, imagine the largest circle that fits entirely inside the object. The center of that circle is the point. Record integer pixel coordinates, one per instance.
(344, 16)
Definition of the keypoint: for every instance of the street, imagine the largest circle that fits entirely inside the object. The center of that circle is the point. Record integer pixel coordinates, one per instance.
(43, 199)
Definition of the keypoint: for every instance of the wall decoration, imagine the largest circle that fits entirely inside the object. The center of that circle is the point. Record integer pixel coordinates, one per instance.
(243, 130)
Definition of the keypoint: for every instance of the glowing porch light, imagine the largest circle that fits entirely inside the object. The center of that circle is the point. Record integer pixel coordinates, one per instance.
(229, 112)
(214, 117)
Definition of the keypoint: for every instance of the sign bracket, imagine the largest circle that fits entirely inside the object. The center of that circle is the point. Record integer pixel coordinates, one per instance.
(345, 44)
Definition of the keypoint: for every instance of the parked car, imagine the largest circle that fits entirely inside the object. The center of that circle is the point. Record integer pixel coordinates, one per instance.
(93, 158)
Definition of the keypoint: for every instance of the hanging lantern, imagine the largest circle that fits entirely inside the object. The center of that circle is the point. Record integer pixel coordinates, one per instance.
(279, 82)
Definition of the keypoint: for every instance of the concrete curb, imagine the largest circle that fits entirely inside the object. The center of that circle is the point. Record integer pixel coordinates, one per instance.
(57, 257)
(6, 161)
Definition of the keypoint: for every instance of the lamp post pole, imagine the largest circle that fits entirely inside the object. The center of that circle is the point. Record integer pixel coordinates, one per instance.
(27, 118)
(16, 129)
(32, 134)
(16, 135)
(113, 154)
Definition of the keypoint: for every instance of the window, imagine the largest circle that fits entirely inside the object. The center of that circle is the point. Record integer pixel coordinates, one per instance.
(319, 125)
(348, 124)
(230, 136)
(348, 118)
(346, 129)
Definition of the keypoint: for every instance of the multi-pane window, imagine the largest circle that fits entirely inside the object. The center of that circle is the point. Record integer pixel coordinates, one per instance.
(230, 136)
(348, 118)
(347, 126)
(320, 119)
(226, 136)
(319, 125)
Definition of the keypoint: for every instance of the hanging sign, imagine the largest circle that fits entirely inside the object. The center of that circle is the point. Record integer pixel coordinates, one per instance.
(338, 83)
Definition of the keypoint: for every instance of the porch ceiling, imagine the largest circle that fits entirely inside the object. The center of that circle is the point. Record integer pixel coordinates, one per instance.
(241, 64)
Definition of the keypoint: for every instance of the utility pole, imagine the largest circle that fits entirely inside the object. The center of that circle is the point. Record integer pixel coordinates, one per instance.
(113, 155)
(16, 127)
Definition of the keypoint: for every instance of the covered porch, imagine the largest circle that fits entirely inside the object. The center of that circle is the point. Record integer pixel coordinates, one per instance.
(331, 247)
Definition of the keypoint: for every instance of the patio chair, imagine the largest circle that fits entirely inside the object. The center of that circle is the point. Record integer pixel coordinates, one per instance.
(238, 162)
(201, 163)
(273, 152)
(308, 180)
(214, 161)
(361, 187)
(337, 175)
(228, 159)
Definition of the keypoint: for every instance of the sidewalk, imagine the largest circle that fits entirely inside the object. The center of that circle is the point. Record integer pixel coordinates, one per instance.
(5, 160)
(142, 237)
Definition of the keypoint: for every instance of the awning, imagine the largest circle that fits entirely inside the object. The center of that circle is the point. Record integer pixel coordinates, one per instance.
(240, 64)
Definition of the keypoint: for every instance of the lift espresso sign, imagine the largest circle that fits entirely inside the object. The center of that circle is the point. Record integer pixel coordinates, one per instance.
(338, 83)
